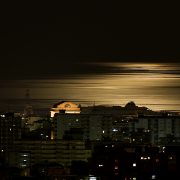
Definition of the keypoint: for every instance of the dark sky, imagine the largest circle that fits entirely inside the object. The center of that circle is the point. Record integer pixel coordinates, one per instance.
(85, 51)
(47, 39)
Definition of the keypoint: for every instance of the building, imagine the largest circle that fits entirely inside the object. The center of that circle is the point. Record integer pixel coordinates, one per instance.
(29, 153)
(128, 124)
(10, 130)
(66, 107)
(92, 123)
(163, 128)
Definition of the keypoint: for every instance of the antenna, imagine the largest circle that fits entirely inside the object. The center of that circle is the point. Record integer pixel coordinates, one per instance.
(28, 110)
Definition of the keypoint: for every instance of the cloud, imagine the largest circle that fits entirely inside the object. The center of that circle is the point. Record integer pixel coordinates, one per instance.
(69, 69)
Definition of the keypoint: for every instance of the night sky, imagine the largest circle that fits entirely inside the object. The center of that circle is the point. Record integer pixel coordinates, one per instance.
(58, 50)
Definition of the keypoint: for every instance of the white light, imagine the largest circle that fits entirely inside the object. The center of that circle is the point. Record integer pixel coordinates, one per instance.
(24, 160)
(2, 150)
(106, 146)
(134, 164)
(10, 129)
(92, 178)
(170, 157)
(142, 158)
(77, 120)
(115, 130)
(100, 165)
(149, 157)
(25, 155)
(47, 136)
(153, 177)
(103, 131)
(52, 114)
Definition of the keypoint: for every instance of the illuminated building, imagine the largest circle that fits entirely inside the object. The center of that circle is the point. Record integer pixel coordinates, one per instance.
(92, 126)
(93, 123)
(115, 123)
(66, 107)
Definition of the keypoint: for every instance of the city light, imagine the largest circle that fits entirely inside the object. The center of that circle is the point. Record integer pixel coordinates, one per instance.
(116, 167)
(114, 130)
(145, 158)
(92, 178)
(170, 157)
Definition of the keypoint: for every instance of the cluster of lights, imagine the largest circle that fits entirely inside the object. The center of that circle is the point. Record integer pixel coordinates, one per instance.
(147, 130)
(163, 149)
(145, 158)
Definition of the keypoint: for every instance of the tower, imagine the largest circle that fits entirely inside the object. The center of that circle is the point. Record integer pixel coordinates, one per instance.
(28, 110)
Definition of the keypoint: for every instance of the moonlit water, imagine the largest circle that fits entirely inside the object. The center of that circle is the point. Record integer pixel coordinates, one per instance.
(156, 86)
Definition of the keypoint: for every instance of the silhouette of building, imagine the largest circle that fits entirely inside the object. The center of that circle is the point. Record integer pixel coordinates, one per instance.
(49, 151)
(10, 130)
(161, 128)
